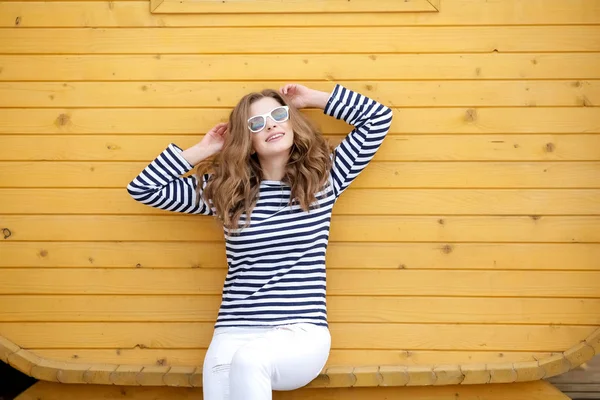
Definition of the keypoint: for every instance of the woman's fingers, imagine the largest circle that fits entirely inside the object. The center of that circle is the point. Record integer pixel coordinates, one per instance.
(288, 89)
(219, 128)
(224, 129)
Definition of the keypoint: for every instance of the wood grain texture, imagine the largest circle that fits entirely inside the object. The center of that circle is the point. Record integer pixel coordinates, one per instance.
(355, 202)
(388, 309)
(184, 121)
(396, 148)
(229, 40)
(269, 7)
(131, 13)
(540, 390)
(389, 358)
(345, 228)
(188, 335)
(581, 284)
(333, 376)
(465, 253)
(371, 255)
(505, 93)
(384, 174)
(314, 67)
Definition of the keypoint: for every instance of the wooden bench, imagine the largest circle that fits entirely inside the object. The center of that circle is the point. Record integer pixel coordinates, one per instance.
(487, 380)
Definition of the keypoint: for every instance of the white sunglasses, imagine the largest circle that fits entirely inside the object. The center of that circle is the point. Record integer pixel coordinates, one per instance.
(258, 122)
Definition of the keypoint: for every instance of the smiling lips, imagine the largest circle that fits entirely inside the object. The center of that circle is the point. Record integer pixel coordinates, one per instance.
(275, 136)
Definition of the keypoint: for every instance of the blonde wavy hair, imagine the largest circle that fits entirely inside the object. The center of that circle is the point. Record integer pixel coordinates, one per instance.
(235, 173)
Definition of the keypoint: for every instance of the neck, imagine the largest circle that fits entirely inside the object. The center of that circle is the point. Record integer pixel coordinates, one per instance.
(273, 168)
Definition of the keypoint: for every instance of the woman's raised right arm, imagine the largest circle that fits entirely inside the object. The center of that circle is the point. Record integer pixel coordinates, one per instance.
(161, 185)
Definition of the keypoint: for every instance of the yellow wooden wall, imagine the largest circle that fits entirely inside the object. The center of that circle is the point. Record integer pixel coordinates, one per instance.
(474, 236)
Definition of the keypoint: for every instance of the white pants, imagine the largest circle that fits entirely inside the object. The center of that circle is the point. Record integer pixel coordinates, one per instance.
(249, 363)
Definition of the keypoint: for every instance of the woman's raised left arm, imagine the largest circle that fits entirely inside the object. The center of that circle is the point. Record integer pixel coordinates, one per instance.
(371, 121)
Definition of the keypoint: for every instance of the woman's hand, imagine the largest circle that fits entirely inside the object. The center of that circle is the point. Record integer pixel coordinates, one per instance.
(215, 138)
(302, 97)
(210, 144)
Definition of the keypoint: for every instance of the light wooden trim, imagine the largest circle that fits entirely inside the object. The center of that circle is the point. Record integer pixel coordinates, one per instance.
(99, 374)
(332, 377)
(270, 7)
(435, 4)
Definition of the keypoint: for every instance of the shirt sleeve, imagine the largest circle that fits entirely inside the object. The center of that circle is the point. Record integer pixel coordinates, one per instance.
(160, 184)
(371, 121)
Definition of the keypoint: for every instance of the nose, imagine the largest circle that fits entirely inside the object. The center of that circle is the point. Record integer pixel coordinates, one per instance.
(271, 123)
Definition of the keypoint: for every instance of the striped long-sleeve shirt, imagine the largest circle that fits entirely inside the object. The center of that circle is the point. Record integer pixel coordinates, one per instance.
(276, 266)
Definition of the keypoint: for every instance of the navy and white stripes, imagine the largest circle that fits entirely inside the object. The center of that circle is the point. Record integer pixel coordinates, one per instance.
(276, 266)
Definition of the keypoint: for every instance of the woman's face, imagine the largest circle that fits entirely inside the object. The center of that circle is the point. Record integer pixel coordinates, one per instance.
(276, 137)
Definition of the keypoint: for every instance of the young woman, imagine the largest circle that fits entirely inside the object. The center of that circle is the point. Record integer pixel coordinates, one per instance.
(272, 184)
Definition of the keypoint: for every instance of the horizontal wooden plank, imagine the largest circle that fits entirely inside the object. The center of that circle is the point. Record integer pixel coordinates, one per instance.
(297, 67)
(538, 390)
(458, 201)
(124, 308)
(185, 254)
(175, 228)
(354, 202)
(479, 39)
(161, 255)
(191, 357)
(454, 147)
(453, 12)
(190, 121)
(51, 174)
(269, 7)
(581, 284)
(344, 336)
(524, 93)
(505, 283)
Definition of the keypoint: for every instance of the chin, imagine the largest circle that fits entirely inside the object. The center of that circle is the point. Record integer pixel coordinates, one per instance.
(275, 149)
(276, 152)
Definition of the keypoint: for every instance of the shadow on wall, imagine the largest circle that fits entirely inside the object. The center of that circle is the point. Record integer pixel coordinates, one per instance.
(13, 382)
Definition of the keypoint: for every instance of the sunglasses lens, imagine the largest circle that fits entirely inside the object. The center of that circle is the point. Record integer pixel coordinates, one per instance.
(279, 114)
(256, 124)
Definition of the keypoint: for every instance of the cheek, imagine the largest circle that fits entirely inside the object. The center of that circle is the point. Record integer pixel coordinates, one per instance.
(290, 130)
(255, 141)
(287, 126)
